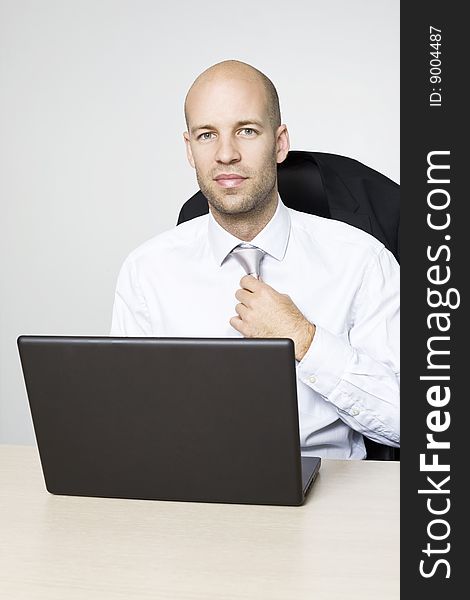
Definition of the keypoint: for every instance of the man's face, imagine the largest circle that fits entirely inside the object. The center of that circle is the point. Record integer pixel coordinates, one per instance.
(232, 145)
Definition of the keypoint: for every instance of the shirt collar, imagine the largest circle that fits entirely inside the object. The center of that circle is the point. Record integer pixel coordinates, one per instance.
(272, 239)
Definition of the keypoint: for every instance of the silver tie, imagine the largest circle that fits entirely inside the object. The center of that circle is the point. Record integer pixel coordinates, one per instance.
(249, 257)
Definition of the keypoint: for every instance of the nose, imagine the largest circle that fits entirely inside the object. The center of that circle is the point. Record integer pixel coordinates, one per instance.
(227, 150)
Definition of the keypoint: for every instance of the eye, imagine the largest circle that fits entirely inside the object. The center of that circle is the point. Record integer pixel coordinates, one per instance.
(248, 131)
(207, 135)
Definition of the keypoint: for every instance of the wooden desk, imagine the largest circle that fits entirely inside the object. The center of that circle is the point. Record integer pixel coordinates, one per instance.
(342, 544)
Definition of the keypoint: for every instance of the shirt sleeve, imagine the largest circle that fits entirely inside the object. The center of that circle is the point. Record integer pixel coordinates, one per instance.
(130, 313)
(358, 371)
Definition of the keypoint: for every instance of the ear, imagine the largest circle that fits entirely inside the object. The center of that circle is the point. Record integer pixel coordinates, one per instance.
(282, 143)
(189, 153)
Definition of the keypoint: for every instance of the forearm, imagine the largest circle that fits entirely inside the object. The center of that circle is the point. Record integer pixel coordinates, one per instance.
(364, 390)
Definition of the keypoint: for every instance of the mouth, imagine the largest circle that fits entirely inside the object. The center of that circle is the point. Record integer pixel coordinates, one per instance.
(231, 180)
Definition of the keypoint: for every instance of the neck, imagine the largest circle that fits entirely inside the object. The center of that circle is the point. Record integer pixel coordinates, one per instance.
(246, 226)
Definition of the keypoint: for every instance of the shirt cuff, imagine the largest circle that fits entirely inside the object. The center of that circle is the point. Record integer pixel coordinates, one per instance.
(325, 362)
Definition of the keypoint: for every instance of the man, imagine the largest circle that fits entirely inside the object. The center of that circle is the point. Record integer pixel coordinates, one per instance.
(330, 287)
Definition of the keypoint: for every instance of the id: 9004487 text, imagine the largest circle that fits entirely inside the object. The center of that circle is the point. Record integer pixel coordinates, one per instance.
(435, 71)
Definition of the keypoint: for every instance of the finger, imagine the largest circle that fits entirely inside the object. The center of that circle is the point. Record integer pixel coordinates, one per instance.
(241, 310)
(250, 283)
(237, 324)
(244, 296)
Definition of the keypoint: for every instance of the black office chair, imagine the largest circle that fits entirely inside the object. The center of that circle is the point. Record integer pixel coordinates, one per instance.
(337, 187)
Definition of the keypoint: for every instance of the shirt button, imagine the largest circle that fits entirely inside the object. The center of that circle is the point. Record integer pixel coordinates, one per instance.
(312, 379)
(355, 412)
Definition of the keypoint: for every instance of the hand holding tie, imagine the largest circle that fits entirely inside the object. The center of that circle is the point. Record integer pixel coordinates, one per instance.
(262, 312)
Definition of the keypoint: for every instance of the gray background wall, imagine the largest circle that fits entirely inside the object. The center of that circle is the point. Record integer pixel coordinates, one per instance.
(92, 157)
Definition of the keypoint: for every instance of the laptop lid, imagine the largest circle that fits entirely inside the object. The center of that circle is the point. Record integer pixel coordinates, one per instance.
(211, 420)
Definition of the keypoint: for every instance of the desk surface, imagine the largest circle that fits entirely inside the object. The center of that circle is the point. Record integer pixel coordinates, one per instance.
(342, 543)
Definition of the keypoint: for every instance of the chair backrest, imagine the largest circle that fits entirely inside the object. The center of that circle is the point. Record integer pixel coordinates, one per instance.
(338, 187)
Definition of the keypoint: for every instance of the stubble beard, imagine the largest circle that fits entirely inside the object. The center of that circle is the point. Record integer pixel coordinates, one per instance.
(253, 199)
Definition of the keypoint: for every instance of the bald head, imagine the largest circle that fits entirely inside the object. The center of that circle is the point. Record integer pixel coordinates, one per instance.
(231, 70)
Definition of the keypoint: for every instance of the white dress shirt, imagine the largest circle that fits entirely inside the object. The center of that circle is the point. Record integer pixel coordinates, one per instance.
(182, 283)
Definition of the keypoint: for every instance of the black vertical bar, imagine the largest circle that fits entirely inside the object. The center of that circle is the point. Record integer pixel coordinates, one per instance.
(434, 230)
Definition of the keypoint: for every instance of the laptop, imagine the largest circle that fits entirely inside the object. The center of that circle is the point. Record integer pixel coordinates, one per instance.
(180, 419)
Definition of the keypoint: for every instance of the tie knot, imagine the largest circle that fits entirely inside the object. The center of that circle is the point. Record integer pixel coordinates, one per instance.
(249, 257)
